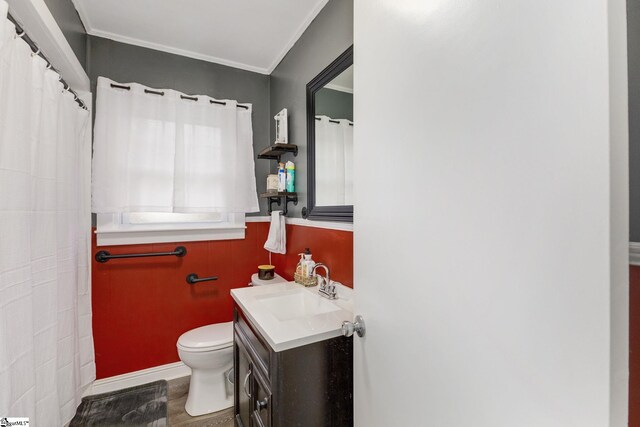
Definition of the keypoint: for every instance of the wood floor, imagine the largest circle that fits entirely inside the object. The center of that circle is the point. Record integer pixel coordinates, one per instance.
(178, 417)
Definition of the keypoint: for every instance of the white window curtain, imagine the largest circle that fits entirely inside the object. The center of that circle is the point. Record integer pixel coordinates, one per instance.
(46, 344)
(170, 153)
(334, 161)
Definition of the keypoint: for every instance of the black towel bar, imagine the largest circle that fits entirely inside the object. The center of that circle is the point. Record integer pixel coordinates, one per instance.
(104, 256)
(193, 278)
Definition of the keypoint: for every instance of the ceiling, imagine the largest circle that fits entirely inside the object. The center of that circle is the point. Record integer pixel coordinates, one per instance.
(250, 34)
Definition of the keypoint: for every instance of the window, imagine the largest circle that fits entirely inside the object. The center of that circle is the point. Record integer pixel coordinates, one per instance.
(168, 167)
(159, 227)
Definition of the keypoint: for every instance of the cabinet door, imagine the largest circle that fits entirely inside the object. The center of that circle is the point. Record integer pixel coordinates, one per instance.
(244, 385)
(261, 402)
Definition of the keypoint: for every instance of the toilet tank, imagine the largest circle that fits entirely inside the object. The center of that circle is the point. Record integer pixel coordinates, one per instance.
(255, 281)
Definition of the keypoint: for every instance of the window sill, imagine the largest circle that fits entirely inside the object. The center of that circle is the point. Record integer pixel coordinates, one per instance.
(155, 235)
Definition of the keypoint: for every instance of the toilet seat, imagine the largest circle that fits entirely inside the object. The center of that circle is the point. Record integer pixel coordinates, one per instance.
(207, 338)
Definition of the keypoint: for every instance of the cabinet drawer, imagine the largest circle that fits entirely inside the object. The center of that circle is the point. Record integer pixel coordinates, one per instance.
(252, 341)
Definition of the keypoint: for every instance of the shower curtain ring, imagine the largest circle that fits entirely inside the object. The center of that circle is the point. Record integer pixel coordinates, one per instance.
(20, 34)
(36, 53)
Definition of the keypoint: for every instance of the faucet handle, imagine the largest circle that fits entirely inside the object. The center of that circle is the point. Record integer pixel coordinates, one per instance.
(321, 281)
(331, 286)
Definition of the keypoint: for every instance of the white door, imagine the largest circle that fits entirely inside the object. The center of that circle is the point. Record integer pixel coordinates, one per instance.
(482, 228)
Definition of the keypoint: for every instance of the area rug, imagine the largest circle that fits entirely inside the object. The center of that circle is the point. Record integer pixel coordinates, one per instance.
(144, 405)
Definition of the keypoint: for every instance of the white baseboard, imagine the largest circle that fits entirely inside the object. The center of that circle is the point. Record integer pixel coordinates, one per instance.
(131, 379)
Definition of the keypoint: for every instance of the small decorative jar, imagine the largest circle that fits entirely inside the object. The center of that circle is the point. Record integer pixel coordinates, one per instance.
(272, 183)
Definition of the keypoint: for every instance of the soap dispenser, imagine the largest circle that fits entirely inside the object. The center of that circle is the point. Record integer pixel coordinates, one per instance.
(299, 269)
(304, 269)
(307, 269)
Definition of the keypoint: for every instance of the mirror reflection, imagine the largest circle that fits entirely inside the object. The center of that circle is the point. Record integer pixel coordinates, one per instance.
(334, 141)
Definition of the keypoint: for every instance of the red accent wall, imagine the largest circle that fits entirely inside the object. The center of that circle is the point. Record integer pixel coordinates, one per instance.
(142, 305)
(634, 346)
(331, 247)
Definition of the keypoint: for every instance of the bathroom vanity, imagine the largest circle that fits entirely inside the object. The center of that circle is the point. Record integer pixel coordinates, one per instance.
(292, 365)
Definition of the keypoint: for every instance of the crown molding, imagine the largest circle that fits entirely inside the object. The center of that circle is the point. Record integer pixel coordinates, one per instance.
(86, 21)
(296, 36)
(82, 13)
(176, 51)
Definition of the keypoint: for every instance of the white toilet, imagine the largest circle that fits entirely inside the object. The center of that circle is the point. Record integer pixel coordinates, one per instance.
(255, 281)
(208, 351)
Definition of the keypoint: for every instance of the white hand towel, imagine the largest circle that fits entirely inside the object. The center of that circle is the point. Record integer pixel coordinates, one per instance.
(277, 238)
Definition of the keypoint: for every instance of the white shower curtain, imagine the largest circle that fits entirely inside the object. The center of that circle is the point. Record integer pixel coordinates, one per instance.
(334, 161)
(46, 343)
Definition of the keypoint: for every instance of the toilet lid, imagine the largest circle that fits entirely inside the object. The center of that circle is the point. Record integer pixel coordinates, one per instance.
(208, 337)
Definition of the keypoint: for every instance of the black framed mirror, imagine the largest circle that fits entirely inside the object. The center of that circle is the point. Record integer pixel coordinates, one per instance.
(330, 142)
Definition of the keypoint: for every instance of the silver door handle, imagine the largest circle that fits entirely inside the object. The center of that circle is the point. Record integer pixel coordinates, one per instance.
(357, 326)
(244, 385)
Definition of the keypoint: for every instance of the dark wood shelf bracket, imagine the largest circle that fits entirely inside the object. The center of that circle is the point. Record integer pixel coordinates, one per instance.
(279, 198)
(275, 151)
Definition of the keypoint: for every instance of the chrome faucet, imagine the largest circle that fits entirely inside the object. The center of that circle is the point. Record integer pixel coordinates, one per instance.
(327, 288)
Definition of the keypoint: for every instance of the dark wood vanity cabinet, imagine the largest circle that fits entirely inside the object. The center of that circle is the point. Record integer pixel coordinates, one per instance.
(306, 386)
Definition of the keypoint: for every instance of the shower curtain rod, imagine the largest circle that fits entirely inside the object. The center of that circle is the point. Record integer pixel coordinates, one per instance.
(333, 121)
(190, 98)
(36, 50)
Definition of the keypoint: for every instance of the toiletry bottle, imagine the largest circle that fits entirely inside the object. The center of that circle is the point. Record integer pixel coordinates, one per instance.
(291, 174)
(307, 269)
(299, 268)
(282, 177)
(272, 182)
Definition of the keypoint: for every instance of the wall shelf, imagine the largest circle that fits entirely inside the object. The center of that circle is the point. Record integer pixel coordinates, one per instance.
(275, 151)
(279, 197)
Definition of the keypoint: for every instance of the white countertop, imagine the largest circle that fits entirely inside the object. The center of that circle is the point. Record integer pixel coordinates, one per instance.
(283, 333)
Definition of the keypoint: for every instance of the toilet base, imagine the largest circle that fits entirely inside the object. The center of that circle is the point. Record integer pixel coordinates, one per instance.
(208, 392)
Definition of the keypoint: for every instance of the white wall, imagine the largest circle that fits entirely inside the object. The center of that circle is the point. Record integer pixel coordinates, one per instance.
(498, 270)
(619, 208)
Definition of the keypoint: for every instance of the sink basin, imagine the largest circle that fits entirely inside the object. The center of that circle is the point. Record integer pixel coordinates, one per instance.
(295, 304)
(289, 315)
